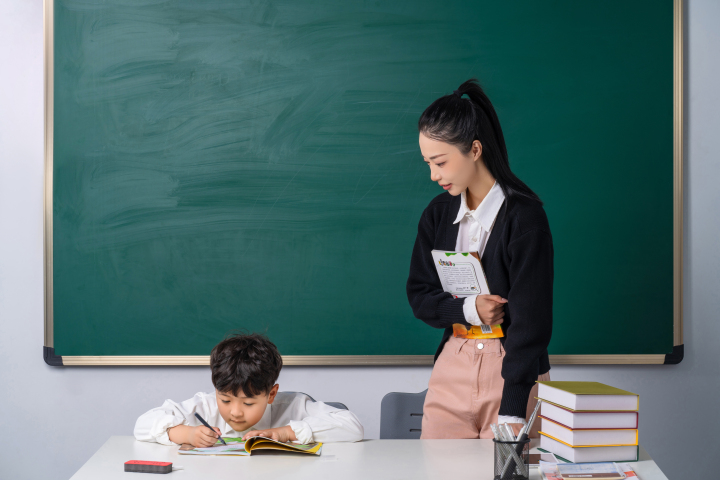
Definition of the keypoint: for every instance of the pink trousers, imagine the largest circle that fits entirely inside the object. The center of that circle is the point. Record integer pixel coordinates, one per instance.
(465, 390)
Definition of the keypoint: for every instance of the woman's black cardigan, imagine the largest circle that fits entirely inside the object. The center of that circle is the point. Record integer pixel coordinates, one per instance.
(518, 264)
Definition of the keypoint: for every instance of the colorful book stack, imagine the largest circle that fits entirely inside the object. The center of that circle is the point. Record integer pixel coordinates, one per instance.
(588, 422)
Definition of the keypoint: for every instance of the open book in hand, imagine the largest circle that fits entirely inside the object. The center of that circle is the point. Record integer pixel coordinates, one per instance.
(462, 275)
(238, 446)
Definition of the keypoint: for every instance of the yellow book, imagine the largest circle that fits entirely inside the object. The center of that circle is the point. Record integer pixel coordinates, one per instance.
(239, 447)
(586, 388)
(588, 396)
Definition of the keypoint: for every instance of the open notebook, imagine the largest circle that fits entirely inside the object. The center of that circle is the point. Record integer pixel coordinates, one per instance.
(238, 446)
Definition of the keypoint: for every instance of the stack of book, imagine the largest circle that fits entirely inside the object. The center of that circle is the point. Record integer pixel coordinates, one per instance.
(588, 422)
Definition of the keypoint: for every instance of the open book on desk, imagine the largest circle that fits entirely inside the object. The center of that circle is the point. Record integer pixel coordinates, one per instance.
(462, 275)
(240, 447)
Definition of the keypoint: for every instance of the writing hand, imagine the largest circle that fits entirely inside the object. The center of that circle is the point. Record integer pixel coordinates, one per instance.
(203, 437)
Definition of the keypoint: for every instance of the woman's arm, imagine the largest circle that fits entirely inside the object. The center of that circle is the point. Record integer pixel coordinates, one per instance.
(530, 311)
(427, 299)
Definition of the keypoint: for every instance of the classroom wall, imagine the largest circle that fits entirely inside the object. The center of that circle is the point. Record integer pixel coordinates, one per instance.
(72, 411)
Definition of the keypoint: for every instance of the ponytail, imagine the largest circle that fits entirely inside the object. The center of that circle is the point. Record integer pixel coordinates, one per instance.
(459, 121)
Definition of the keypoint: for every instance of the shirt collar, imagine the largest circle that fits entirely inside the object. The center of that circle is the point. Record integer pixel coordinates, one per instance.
(488, 209)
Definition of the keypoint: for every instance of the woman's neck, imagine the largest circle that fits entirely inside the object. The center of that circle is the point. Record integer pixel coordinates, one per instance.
(479, 188)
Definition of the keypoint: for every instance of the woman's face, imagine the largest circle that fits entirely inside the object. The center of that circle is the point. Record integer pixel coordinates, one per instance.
(449, 167)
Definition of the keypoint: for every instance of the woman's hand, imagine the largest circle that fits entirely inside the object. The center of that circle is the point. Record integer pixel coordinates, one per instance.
(490, 309)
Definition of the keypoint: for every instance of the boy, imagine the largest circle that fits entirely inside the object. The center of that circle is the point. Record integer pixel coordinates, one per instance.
(245, 403)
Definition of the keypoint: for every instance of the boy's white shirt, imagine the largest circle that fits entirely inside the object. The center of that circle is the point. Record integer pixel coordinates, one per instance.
(311, 421)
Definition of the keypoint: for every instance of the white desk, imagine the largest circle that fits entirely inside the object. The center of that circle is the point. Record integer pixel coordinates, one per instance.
(367, 460)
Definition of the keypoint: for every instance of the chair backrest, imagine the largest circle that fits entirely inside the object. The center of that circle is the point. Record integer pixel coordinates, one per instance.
(401, 415)
(338, 405)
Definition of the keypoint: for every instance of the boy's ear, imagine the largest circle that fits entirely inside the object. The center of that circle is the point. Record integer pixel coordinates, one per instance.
(273, 392)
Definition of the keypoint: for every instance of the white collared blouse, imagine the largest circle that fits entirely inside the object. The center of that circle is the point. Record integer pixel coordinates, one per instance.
(473, 233)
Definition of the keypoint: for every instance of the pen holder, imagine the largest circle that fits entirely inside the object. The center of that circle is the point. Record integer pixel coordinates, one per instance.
(509, 463)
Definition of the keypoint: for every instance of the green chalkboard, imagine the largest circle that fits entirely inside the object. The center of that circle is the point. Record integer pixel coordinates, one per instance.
(229, 165)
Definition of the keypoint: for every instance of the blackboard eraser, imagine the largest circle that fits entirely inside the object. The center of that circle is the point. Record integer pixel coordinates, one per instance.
(144, 466)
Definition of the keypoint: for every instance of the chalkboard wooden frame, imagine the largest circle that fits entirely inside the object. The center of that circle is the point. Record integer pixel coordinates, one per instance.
(678, 147)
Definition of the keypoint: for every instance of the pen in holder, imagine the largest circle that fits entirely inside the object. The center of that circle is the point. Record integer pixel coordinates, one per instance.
(512, 459)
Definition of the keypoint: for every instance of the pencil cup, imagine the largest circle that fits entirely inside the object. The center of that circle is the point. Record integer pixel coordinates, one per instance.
(511, 460)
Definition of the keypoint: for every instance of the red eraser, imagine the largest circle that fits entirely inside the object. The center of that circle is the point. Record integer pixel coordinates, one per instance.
(144, 466)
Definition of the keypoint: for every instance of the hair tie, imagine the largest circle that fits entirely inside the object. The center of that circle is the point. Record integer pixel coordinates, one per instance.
(457, 92)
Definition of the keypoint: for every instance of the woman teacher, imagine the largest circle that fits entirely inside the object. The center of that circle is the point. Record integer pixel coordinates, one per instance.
(488, 211)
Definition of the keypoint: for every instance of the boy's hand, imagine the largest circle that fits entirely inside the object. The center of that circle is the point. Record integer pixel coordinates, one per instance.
(203, 437)
(281, 434)
(199, 436)
(490, 309)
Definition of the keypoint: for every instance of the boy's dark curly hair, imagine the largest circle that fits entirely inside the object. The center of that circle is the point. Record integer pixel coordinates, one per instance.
(249, 364)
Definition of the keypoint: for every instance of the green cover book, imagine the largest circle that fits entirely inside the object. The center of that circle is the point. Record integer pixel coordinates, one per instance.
(586, 388)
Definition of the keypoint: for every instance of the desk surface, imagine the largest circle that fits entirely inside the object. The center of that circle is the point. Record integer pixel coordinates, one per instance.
(369, 459)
